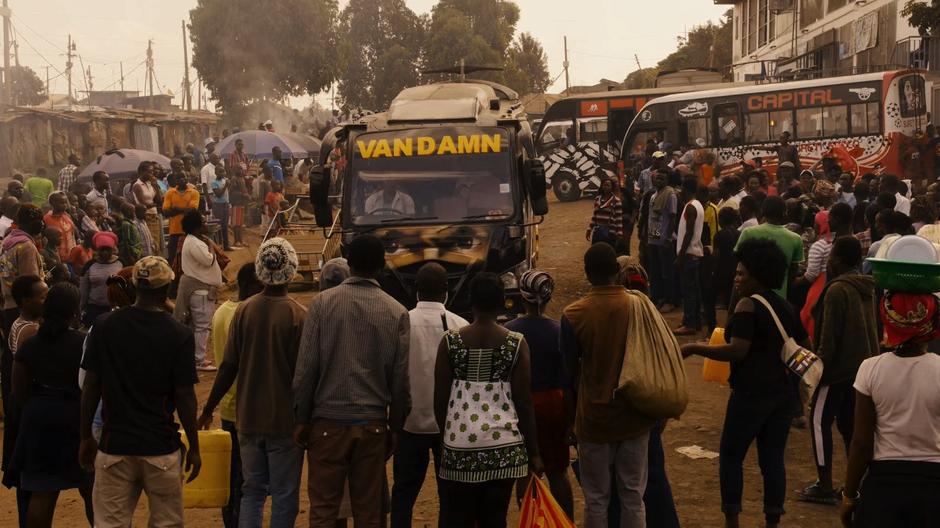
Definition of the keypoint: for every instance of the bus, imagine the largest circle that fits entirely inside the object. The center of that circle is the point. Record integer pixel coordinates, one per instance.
(578, 139)
(867, 122)
(448, 175)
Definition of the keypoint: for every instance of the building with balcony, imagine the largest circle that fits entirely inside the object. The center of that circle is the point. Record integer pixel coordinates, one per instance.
(804, 39)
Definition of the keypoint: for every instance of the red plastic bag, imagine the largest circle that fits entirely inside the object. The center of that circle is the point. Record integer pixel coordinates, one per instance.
(539, 509)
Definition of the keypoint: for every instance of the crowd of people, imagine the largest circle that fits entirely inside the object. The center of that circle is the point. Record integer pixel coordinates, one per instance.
(786, 257)
(101, 357)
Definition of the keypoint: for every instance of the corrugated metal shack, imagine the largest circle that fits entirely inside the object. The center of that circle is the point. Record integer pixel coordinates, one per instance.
(36, 137)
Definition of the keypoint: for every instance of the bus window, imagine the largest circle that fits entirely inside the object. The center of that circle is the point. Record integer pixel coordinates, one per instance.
(727, 125)
(637, 144)
(593, 130)
(756, 127)
(866, 119)
(835, 121)
(809, 123)
(692, 130)
(779, 122)
(552, 135)
(618, 121)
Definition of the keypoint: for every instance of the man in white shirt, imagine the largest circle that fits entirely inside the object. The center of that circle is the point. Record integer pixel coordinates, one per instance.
(689, 253)
(99, 193)
(892, 184)
(429, 320)
(389, 200)
(207, 173)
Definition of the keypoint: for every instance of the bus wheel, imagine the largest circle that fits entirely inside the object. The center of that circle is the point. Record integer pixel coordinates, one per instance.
(566, 188)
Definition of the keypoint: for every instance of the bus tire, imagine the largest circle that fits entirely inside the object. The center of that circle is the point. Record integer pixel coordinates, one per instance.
(566, 188)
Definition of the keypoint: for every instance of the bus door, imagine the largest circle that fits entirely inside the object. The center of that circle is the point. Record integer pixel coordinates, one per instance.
(618, 122)
(727, 130)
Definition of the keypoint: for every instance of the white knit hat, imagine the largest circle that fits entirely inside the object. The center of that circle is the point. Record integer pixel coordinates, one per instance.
(276, 263)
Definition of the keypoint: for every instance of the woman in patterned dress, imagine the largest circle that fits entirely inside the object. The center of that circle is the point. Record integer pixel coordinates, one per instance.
(483, 405)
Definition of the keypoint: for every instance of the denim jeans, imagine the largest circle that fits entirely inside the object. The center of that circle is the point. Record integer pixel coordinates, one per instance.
(409, 468)
(691, 293)
(201, 309)
(230, 510)
(270, 466)
(765, 418)
(221, 212)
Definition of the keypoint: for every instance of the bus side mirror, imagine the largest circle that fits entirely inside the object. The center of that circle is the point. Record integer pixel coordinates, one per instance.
(535, 172)
(320, 196)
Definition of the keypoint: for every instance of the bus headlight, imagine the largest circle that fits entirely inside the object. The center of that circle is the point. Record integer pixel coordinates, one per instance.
(510, 282)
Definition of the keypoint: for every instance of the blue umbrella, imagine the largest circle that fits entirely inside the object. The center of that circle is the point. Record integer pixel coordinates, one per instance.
(122, 164)
(259, 143)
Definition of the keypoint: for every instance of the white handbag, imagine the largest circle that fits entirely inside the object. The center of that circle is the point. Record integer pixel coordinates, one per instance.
(802, 362)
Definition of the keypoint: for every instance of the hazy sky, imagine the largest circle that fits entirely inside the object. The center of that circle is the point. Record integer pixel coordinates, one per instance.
(603, 36)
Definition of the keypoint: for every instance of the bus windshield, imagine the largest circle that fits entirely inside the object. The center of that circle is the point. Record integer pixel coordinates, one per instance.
(439, 176)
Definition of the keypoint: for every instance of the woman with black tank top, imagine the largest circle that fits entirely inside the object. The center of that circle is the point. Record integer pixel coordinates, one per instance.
(759, 405)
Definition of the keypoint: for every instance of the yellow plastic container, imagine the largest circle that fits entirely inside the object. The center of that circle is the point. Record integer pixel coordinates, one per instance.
(716, 370)
(211, 487)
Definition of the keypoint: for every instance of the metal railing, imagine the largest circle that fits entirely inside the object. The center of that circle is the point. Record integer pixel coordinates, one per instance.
(918, 52)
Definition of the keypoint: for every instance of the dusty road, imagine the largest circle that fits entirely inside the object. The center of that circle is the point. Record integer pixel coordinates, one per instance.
(694, 482)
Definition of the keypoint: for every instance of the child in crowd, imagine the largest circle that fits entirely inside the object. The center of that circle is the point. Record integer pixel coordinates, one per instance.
(129, 247)
(56, 270)
(80, 255)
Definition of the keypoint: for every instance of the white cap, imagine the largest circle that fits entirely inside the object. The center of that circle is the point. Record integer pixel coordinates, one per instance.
(268, 123)
(700, 142)
(208, 141)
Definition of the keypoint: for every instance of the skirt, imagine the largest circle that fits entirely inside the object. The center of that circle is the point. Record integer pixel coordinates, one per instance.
(551, 427)
(237, 218)
(46, 452)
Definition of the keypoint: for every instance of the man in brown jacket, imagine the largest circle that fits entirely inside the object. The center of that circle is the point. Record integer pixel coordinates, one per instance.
(610, 432)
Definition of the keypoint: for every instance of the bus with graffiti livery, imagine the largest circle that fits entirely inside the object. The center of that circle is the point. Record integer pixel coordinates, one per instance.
(448, 175)
(867, 122)
(579, 137)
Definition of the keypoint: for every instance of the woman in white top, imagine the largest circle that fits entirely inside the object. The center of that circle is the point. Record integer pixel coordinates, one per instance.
(896, 442)
(147, 193)
(202, 275)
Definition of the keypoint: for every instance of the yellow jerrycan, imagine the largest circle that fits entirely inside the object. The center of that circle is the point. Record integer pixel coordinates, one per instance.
(211, 487)
(716, 370)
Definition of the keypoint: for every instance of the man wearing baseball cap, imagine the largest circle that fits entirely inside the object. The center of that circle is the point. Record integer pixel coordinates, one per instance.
(140, 364)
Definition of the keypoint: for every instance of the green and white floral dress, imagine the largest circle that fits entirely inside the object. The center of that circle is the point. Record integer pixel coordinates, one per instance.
(481, 438)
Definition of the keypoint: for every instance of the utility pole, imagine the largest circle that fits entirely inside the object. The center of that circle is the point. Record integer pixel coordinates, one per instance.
(7, 74)
(640, 68)
(68, 67)
(89, 81)
(187, 96)
(198, 93)
(48, 93)
(122, 77)
(150, 71)
(565, 64)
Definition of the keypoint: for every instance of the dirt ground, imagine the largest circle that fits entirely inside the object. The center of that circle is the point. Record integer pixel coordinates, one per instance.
(694, 482)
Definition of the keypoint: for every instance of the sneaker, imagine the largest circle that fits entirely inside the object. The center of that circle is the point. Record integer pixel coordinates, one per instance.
(816, 494)
(205, 366)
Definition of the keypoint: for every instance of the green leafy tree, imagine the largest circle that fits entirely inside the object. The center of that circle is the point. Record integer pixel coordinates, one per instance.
(925, 17)
(381, 50)
(476, 31)
(644, 78)
(707, 46)
(28, 88)
(526, 69)
(248, 51)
